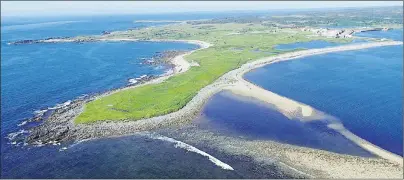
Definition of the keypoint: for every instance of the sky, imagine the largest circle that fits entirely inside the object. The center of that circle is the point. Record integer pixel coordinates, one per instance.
(49, 8)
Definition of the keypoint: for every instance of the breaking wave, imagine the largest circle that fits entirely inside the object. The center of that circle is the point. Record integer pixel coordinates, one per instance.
(182, 145)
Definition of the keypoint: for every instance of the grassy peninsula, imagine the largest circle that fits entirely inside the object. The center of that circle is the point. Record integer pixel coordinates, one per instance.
(234, 45)
(235, 42)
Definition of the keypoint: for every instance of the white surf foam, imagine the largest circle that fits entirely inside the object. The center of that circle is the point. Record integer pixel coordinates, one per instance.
(40, 112)
(13, 135)
(132, 81)
(179, 144)
(77, 143)
(60, 105)
(22, 123)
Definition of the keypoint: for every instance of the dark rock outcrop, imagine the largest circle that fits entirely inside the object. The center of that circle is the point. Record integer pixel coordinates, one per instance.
(105, 32)
(26, 41)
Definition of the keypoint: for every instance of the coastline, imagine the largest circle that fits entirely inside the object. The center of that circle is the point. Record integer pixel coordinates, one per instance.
(61, 121)
(203, 94)
(313, 163)
(180, 64)
(231, 78)
(230, 81)
(293, 109)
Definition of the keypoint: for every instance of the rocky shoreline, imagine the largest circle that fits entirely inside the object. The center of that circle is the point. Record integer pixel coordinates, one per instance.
(60, 127)
(56, 124)
(162, 57)
(51, 40)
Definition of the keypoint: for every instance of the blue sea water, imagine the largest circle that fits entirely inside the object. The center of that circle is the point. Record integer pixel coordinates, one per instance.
(122, 157)
(233, 115)
(14, 29)
(41, 75)
(313, 44)
(17, 28)
(362, 88)
(395, 34)
(36, 76)
(308, 45)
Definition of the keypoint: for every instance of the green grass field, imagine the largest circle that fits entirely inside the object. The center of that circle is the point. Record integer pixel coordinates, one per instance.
(173, 94)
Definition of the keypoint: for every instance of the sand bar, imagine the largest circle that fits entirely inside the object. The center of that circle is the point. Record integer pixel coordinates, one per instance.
(233, 81)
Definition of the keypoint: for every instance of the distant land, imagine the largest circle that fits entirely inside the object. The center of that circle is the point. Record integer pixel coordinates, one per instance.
(228, 48)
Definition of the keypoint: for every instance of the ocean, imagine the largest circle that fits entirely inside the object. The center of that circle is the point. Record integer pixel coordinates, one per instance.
(362, 88)
(314, 44)
(39, 76)
(237, 116)
(135, 156)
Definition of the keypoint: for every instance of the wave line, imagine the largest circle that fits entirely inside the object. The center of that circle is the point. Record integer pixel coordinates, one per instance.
(182, 145)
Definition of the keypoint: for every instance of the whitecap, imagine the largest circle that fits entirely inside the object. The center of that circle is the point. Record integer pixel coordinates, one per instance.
(83, 96)
(77, 143)
(40, 112)
(13, 135)
(61, 105)
(168, 72)
(132, 81)
(22, 123)
(67, 103)
(182, 145)
(63, 149)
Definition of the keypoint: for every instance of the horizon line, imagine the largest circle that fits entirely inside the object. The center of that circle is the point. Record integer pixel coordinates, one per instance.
(198, 11)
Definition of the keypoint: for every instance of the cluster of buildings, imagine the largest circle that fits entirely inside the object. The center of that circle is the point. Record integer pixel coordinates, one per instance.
(334, 33)
(341, 33)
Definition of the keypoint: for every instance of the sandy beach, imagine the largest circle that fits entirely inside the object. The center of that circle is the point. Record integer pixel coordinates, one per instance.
(180, 64)
(293, 109)
(233, 81)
